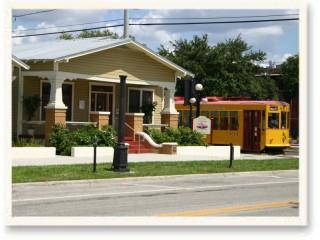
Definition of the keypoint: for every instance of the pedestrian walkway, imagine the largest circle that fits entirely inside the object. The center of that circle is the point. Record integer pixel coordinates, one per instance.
(146, 157)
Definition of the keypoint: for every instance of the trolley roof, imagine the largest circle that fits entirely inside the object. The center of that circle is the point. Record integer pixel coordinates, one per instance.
(233, 101)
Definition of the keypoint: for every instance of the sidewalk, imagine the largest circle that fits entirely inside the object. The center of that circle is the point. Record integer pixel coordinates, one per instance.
(144, 157)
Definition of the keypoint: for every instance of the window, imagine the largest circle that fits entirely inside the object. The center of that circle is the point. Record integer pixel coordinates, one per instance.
(139, 98)
(233, 120)
(215, 116)
(284, 123)
(180, 118)
(102, 99)
(224, 121)
(273, 120)
(67, 96)
(205, 113)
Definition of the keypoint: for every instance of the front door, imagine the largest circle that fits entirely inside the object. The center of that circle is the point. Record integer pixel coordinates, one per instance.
(251, 130)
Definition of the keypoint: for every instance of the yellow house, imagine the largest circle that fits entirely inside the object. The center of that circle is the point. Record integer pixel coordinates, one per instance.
(78, 83)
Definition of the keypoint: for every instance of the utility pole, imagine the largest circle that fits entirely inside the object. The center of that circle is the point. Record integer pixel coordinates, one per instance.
(126, 23)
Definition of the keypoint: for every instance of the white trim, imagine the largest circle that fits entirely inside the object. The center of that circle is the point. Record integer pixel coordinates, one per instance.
(72, 100)
(79, 76)
(113, 99)
(100, 112)
(140, 101)
(134, 114)
(20, 63)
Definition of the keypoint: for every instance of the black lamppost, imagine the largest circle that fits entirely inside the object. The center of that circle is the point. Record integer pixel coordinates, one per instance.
(198, 97)
(120, 156)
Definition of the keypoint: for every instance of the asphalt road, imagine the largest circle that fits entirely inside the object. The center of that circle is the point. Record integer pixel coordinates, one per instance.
(241, 194)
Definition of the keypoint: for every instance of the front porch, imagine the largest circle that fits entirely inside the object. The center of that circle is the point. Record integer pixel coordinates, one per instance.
(77, 102)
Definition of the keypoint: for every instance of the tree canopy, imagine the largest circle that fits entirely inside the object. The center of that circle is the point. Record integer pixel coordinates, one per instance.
(89, 34)
(226, 69)
(289, 81)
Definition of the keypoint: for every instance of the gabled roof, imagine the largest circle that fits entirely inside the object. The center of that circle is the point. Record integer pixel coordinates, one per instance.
(19, 62)
(60, 50)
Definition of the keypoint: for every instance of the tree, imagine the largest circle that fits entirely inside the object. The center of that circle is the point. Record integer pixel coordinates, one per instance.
(289, 82)
(227, 69)
(66, 36)
(89, 34)
(92, 34)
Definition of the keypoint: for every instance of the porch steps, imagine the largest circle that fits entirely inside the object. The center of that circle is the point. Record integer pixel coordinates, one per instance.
(134, 146)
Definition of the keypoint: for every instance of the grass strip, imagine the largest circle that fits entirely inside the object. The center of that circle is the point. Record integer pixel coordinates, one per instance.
(84, 171)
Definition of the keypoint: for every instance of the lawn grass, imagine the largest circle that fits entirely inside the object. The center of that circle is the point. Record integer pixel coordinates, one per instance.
(84, 171)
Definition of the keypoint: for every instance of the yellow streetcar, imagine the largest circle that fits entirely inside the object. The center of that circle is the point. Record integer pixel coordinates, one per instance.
(252, 124)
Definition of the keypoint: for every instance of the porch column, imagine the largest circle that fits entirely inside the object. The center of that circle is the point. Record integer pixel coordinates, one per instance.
(100, 118)
(134, 123)
(169, 114)
(55, 110)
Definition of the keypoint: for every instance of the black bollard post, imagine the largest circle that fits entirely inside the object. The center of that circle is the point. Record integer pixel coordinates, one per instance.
(95, 144)
(231, 154)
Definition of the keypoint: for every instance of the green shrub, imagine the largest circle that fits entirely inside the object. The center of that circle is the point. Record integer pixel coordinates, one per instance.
(32, 142)
(60, 139)
(64, 139)
(183, 136)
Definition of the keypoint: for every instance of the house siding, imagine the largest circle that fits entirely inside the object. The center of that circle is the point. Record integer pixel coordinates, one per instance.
(40, 66)
(119, 61)
(81, 92)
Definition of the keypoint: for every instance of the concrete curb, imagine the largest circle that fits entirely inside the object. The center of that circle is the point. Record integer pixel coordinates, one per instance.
(152, 177)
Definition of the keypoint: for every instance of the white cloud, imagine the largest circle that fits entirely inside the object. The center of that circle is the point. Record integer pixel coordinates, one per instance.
(280, 58)
(261, 31)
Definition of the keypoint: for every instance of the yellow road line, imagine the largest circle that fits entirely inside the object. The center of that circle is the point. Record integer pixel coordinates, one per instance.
(232, 209)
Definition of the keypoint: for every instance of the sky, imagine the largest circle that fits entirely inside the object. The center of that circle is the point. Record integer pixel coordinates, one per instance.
(277, 39)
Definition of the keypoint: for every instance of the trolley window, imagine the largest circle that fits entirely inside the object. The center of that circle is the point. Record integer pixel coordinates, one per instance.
(205, 113)
(284, 120)
(233, 120)
(224, 120)
(215, 116)
(180, 118)
(186, 119)
(273, 120)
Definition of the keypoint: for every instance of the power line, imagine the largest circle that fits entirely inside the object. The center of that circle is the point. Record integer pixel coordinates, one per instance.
(257, 16)
(159, 18)
(225, 22)
(27, 14)
(159, 24)
(78, 30)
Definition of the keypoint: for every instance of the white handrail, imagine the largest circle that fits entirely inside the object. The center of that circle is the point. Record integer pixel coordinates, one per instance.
(149, 139)
(131, 128)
